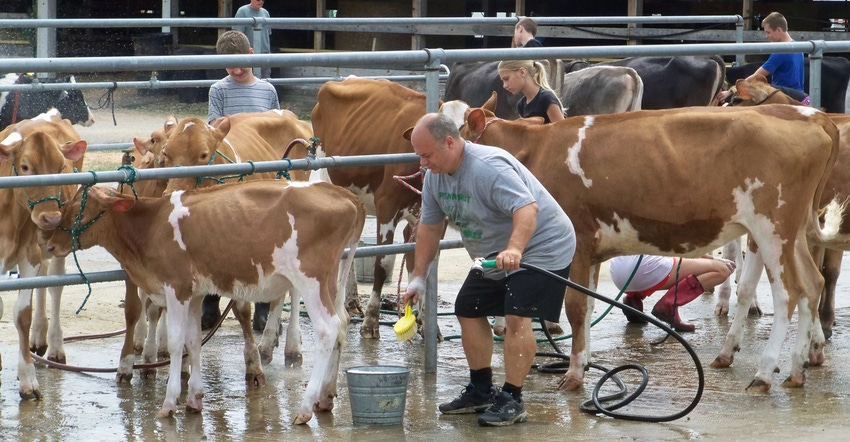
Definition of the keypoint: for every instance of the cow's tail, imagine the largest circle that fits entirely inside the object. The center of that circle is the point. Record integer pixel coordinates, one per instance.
(834, 212)
(346, 266)
(719, 79)
(637, 97)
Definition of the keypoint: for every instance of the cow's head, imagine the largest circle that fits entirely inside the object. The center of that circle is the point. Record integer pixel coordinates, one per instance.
(39, 153)
(72, 105)
(192, 142)
(82, 228)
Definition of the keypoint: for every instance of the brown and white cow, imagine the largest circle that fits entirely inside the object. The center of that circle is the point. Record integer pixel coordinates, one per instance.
(252, 241)
(627, 182)
(44, 145)
(240, 138)
(367, 117)
(828, 255)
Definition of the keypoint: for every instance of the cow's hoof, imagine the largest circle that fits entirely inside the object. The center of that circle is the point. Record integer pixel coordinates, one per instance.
(193, 410)
(39, 349)
(163, 356)
(123, 377)
(794, 381)
(293, 359)
(555, 329)
(34, 395)
(816, 356)
(255, 379)
(758, 386)
(57, 358)
(721, 310)
(370, 332)
(266, 355)
(568, 383)
(302, 418)
(148, 373)
(499, 331)
(722, 362)
(164, 413)
(138, 350)
(755, 311)
(324, 405)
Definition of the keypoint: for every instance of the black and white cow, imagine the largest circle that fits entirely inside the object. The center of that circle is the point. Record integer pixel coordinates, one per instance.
(23, 105)
(671, 82)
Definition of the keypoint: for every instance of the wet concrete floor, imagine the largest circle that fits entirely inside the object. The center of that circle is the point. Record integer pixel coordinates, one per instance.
(92, 407)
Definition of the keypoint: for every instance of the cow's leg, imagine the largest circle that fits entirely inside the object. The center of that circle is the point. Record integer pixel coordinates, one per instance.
(55, 344)
(38, 335)
(292, 347)
(132, 312)
(162, 336)
(28, 387)
(804, 293)
(371, 322)
(746, 290)
(141, 330)
(830, 268)
(195, 395)
(731, 251)
(579, 308)
(151, 351)
(177, 316)
(254, 375)
(269, 339)
(328, 328)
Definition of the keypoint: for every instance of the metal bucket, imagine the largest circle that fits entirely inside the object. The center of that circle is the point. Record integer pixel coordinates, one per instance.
(364, 268)
(377, 394)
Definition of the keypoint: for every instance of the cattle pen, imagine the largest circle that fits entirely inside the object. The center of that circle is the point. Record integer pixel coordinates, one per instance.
(431, 59)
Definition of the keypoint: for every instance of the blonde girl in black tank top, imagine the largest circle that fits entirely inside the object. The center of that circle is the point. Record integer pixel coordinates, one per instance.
(528, 78)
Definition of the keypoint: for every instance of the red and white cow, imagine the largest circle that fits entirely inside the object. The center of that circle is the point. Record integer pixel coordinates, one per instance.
(240, 138)
(44, 145)
(252, 241)
(830, 254)
(367, 117)
(627, 182)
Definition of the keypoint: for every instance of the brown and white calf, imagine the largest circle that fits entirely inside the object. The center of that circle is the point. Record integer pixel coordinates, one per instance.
(627, 182)
(251, 241)
(44, 145)
(240, 138)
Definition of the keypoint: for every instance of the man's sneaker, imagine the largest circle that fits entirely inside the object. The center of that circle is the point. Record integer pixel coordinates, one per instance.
(506, 411)
(470, 401)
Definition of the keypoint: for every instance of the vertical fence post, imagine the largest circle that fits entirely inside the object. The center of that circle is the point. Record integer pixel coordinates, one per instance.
(815, 60)
(430, 321)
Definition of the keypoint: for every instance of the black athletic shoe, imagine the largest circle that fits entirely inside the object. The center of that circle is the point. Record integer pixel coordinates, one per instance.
(506, 411)
(210, 311)
(261, 316)
(470, 401)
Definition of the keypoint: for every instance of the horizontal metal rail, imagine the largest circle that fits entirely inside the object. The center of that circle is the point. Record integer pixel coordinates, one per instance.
(377, 24)
(121, 275)
(412, 57)
(155, 83)
(164, 173)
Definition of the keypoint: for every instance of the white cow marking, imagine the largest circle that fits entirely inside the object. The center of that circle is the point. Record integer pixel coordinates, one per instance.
(188, 125)
(13, 138)
(572, 154)
(760, 226)
(806, 111)
(174, 217)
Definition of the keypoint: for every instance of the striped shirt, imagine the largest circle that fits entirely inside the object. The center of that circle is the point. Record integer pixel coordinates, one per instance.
(228, 97)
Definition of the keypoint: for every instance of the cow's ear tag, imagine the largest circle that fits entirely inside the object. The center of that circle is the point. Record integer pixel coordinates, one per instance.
(122, 205)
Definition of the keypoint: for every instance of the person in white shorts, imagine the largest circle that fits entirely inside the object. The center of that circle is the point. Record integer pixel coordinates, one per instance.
(695, 276)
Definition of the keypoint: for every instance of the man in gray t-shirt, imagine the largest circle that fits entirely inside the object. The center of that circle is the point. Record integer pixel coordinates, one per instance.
(504, 213)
